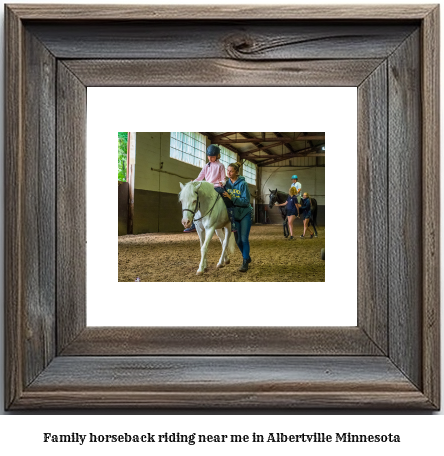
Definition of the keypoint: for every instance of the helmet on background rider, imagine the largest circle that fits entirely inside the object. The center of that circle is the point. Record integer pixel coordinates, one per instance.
(294, 176)
(213, 150)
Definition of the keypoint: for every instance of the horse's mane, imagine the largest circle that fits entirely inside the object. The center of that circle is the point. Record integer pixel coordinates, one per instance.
(205, 189)
(279, 191)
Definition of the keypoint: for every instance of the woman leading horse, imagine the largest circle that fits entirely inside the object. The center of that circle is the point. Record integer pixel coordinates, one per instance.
(292, 209)
(237, 191)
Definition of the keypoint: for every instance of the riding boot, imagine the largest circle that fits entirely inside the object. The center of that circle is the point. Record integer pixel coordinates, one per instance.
(244, 267)
(249, 259)
(230, 211)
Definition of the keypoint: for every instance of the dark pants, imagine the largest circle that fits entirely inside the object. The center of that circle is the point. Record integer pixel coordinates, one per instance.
(228, 204)
(227, 201)
(243, 231)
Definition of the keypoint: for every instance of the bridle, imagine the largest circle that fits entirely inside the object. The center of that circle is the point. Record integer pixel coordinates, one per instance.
(197, 208)
(274, 198)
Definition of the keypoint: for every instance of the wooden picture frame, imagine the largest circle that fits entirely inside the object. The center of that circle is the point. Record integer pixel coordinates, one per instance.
(390, 360)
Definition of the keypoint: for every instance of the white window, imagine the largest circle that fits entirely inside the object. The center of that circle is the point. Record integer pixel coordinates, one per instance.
(249, 172)
(188, 147)
(227, 156)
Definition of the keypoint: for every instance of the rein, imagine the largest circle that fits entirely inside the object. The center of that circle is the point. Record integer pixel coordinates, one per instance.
(198, 204)
(195, 207)
(277, 199)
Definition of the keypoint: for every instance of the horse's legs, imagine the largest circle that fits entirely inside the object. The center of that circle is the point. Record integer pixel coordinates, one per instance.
(203, 251)
(314, 227)
(309, 224)
(201, 234)
(285, 225)
(224, 238)
(228, 235)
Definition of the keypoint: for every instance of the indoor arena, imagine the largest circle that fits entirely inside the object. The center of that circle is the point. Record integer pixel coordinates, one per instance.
(221, 207)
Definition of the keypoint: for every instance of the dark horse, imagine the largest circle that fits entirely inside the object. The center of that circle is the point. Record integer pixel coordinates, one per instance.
(279, 197)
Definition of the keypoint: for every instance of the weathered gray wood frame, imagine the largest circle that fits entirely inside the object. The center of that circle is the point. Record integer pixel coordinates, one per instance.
(390, 360)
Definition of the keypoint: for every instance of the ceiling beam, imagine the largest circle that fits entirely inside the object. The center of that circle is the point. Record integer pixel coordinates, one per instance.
(287, 146)
(233, 149)
(282, 139)
(255, 140)
(261, 157)
(259, 149)
(283, 157)
(279, 140)
(259, 146)
(223, 135)
(299, 153)
(310, 138)
(310, 142)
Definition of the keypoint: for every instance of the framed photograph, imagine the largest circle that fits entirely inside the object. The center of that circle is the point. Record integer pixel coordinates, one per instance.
(390, 359)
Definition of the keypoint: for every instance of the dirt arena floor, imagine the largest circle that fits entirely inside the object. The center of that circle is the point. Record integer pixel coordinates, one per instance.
(174, 257)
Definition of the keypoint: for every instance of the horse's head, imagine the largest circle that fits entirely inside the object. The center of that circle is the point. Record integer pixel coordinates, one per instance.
(273, 198)
(189, 198)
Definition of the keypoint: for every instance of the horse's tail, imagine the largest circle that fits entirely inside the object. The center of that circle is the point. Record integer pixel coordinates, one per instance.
(231, 244)
(314, 213)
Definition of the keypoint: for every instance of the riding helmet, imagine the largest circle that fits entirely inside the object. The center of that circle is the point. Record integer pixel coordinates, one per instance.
(213, 150)
(294, 176)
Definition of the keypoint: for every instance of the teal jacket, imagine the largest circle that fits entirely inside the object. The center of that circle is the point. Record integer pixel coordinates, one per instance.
(240, 196)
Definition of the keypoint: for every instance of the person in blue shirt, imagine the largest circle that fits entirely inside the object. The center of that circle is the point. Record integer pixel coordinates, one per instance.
(237, 190)
(306, 213)
(292, 209)
(297, 185)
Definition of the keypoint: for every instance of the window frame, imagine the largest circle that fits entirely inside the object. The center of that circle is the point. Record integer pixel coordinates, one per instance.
(195, 157)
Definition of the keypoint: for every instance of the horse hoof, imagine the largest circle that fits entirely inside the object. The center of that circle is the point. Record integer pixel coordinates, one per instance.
(219, 266)
(199, 273)
(227, 262)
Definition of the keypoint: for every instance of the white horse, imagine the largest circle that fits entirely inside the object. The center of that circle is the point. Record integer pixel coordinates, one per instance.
(201, 203)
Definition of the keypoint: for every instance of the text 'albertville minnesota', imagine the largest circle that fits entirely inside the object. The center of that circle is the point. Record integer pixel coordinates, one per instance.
(192, 439)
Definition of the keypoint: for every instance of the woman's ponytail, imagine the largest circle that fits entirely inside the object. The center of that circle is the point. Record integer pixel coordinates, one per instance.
(236, 166)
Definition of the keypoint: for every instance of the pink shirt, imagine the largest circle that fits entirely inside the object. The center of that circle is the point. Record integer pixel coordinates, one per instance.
(213, 172)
